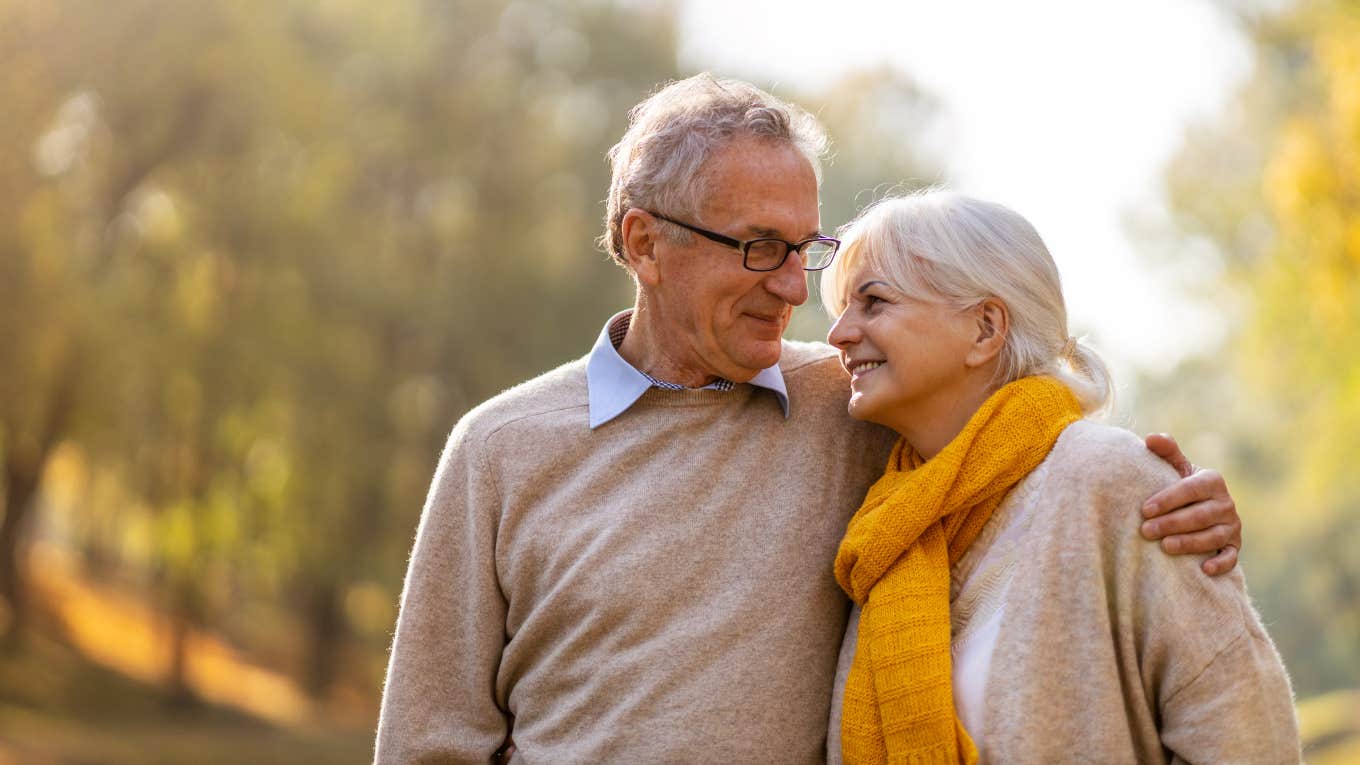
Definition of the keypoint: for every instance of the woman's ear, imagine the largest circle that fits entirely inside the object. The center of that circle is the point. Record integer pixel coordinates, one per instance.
(640, 234)
(993, 326)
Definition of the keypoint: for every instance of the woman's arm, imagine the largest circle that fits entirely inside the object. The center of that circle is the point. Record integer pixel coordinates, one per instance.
(1237, 709)
(1112, 648)
(1219, 686)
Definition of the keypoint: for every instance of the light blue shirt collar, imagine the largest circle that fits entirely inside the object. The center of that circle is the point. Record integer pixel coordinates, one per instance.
(615, 385)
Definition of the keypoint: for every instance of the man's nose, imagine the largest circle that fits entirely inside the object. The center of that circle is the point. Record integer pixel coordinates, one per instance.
(789, 281)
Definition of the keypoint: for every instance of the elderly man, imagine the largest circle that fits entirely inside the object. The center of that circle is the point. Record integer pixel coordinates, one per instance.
(628, 559)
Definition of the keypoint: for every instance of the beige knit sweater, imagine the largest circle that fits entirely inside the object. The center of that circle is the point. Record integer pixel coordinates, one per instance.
(1109, 651)
(657, 590)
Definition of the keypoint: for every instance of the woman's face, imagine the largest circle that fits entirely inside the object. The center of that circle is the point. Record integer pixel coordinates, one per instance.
(905, 355)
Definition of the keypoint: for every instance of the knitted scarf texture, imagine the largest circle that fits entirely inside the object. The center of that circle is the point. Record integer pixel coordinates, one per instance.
(915, 523)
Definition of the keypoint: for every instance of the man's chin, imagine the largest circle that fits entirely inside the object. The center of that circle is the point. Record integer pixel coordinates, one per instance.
(759, 355)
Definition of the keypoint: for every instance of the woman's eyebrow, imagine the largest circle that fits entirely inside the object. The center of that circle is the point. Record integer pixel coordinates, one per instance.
(869, 284)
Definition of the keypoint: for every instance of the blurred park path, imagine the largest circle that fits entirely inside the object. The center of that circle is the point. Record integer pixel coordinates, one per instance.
(125, 633)
(87, 686)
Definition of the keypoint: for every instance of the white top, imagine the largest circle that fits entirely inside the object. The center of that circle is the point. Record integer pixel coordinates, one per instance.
(972, 663)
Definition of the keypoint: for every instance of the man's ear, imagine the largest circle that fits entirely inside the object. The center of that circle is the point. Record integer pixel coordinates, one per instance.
(641, 232)
(993, 322)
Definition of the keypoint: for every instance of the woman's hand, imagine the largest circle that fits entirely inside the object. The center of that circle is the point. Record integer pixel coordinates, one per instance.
(1196, 514)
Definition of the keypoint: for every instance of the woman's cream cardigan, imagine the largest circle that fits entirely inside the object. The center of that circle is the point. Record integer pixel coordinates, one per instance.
(1110, 650)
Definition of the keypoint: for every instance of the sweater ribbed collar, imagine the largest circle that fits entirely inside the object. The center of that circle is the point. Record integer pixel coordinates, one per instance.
(615, 385)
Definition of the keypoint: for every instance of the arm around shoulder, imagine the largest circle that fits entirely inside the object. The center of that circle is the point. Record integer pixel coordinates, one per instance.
(439, 701)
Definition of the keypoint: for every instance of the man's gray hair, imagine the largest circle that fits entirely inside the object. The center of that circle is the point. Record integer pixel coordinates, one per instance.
(658, 164)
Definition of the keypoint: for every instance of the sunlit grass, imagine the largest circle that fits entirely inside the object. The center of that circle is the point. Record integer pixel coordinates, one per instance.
(1329, 725)
(88, 686)
(57, 708)
(122, 633)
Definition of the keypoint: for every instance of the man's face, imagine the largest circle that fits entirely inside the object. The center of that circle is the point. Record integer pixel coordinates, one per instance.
(719, 317)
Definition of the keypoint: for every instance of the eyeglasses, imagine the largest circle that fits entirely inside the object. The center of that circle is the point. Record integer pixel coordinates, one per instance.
(767, 253)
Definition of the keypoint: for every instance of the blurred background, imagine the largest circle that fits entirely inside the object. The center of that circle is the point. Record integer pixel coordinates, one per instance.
(258, 256)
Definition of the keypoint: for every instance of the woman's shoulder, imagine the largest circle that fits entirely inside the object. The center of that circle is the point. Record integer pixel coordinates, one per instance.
(1098, 478)
(1092, 486)
(1106, 463)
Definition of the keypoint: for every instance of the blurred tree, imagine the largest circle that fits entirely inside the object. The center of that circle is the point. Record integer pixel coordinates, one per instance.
(878, 120)
(284, 246)
(1275, 188)
(256, 258)
(61, 191)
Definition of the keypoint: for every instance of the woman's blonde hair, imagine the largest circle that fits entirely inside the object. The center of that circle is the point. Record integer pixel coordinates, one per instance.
(965, 250)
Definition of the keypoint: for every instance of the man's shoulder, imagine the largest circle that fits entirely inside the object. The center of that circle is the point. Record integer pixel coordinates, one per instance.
(813, 370)
(819, 389)
(558, 393)
(804, 358)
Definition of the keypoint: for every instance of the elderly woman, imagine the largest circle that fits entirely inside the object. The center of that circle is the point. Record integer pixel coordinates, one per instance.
(1007, 608)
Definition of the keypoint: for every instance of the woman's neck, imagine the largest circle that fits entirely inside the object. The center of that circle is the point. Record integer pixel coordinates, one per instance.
(929, 426)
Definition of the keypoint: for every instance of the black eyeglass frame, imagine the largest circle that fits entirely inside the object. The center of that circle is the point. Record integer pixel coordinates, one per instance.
(745, 246)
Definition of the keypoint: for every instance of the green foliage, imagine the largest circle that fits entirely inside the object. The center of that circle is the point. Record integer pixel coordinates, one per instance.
(277, 248)
(1276, 188)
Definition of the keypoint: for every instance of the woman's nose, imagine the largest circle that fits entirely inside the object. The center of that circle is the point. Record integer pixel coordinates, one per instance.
(844, 332)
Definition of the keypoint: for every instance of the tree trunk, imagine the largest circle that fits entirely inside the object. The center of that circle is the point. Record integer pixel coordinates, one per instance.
(179, 694)
(21, 483)
(325, 630)
(185, 613)
(24, 464)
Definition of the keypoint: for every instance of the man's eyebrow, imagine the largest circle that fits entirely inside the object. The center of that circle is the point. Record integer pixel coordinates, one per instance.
(761, 232)
(869, 284)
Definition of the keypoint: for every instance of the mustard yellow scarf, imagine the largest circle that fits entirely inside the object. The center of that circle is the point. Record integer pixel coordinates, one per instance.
(916, 521)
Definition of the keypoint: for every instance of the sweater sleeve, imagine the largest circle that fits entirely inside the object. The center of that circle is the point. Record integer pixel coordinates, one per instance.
(439, 703)
(1205, 660)
(1238, 709)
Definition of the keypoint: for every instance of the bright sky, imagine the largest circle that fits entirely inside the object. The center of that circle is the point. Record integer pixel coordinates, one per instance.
(1065, 111)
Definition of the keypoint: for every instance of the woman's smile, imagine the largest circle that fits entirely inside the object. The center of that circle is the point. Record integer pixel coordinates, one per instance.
(860, 369)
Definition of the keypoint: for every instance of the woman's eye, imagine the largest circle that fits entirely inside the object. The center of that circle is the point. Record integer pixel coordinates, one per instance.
(870, 301)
